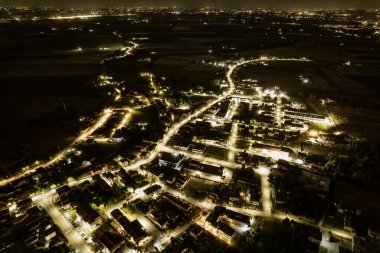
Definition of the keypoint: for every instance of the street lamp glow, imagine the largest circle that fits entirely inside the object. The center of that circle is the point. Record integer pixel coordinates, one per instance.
(313, 133)
(263, 171)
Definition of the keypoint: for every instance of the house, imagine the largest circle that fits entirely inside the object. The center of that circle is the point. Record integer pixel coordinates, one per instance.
(310, 117)
(225, 232)
(357, 244)
(184, 206)
(89, 216)
(134, 231)
(374, 233)
(318, 180)
(197, 148)
(315, 236)
(49, 233)
(63, 190)
(4, 215)
(111, 241)
(348, 222)
(254, 196)
(151, 190)
(160, 220)
(280, 194)
(213, 217)
(238, 219)
(222, 112)
(187, 250)
(216, 222)
(24, 204)
(173, 161)
(211, 172)
(172, 216)
(196, 231)
(272, 151)
(116, 214)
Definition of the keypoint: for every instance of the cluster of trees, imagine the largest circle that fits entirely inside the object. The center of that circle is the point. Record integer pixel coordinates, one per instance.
(362, 167)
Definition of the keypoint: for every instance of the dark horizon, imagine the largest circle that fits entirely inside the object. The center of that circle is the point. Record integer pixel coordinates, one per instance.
(254, 4)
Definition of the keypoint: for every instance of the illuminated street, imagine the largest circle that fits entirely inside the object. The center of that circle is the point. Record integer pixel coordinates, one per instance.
(65, 226)
(132, 127)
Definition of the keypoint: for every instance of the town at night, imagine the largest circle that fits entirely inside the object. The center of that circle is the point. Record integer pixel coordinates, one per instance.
(180, 127)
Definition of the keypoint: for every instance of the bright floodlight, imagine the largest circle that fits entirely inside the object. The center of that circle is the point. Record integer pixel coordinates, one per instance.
(313, 133)
(263, 171)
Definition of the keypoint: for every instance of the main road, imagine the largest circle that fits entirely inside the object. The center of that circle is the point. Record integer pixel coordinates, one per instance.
(68, 230)
(174, 129)
(45, 199)
(71, 234)
(105, 115)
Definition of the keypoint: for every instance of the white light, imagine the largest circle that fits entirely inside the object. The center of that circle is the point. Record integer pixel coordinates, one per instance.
(263, 171)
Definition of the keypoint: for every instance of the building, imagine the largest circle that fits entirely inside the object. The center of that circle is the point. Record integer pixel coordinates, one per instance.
(197, 148)
(61, 193)
(151, 190)
(315, 236)
(49, 233)
(273, 151)
(238, 219)
(222, 112)
(160, 220)
(184, 206)
(173, 161)
(111, 241)
(374, 233)
(196, 231)
(134, 231)
(280, 194)
(309, 117)
(215, 224)
(116, 214)
(89, 216)
(348, 222)
(225, 232)
(24, 204)
(206, 171)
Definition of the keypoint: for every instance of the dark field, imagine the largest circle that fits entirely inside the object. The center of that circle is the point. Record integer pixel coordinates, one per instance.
(47, 62)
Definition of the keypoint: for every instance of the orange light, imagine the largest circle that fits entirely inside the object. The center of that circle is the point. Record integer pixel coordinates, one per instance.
(313, 133)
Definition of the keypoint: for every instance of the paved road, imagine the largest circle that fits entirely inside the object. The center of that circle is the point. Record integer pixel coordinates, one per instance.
(231, 142)
(77, 242)
(106, 114)
(68, 230)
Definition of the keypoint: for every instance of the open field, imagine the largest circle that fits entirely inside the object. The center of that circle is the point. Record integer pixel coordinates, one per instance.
(359, 198)
(50, 62)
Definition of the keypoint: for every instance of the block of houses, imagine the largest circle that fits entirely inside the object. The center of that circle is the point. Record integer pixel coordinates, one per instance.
(89, 216)
(134, 231)
(173, 161)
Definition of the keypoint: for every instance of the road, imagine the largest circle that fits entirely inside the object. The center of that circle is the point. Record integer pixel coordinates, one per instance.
(68, 230)
(72, 235)
(231, 142)
(124, 121)
(84, 134)
(265, 189)
(174, 129)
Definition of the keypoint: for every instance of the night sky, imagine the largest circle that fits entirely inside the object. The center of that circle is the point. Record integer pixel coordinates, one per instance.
(342, 4)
